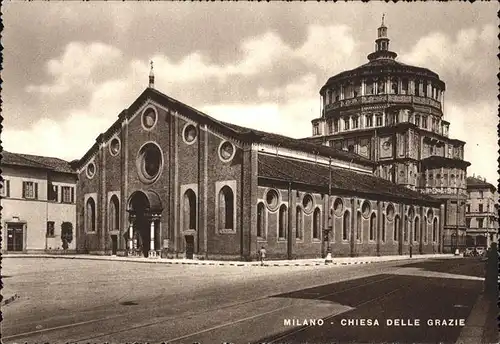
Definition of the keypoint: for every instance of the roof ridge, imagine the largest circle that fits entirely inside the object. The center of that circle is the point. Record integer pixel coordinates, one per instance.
(23, 156)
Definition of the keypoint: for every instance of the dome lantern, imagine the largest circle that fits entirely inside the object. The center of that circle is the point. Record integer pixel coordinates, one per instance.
(382, 45)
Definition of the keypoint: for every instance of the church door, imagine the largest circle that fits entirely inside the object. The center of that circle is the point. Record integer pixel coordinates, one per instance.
(189, 246)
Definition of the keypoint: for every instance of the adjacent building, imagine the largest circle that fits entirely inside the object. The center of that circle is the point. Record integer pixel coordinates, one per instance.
(38, 204)
(393, 114)
(482, 213)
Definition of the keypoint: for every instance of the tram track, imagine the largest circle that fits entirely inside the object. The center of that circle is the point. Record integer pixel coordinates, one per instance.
(219, 326)
(138, 313)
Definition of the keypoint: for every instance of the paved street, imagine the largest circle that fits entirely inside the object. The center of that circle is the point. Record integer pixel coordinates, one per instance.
(104, 301)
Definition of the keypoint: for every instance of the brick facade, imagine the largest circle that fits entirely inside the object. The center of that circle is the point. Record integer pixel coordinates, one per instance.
(204, 200)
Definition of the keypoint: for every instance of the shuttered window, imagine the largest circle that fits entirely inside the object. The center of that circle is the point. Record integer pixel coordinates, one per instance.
(5, 188)
(30, 190)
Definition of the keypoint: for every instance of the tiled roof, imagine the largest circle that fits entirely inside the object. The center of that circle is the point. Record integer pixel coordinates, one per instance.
(476, 182)
(302, 172)
(443, 161)
(298, 144)
(36, 161)
(383, 67)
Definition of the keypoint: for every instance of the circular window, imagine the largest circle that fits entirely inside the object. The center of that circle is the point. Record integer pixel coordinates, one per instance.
(338, 207)
(114, 146)
(149, 162)
(190, 133)
(149, 118)
(272, 199)
(366, 209)
(91, 170)
(307, 203)
(390, 212)
(226, 151)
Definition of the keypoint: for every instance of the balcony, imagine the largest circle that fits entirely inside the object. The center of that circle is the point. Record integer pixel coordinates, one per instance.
(384, 98)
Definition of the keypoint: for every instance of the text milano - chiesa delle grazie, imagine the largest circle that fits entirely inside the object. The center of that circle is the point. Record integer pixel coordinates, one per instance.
(166, 179)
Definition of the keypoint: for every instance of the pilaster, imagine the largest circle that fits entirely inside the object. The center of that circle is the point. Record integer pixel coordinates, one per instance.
(354, 224)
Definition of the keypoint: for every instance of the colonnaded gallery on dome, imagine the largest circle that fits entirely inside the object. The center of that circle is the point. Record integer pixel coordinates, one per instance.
(379, 176)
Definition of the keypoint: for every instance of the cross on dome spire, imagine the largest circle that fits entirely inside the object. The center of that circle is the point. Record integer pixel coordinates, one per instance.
(151, 76)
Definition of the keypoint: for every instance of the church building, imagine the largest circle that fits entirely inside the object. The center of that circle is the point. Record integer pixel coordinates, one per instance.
(393, 114)
(166, 180)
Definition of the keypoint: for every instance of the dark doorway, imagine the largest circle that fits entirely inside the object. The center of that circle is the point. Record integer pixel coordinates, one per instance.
(145, 209)
(114, 245)
(189, 246)
(15, 237)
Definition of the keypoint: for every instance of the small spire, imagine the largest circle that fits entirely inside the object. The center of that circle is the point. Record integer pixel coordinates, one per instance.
(151, 76)
(383, 16)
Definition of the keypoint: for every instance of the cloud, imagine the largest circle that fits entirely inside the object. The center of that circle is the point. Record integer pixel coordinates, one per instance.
(329, 47)
(77, 67)
(290, 119)
(70, 137)
(481, 148)
(464, 59)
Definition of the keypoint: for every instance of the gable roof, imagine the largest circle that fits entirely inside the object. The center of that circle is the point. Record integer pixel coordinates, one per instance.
(36, 161)
(302, 172)
(232, 130)
(476, 183)
(300, 144)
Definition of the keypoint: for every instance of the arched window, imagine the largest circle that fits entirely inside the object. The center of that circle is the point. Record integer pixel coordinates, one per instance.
(426, 228)
(380, 86)
(394, 86)
(260, 220)
(383, 229)
(369, 86)
(190, 210)
(397, 225)
(226, 208)
(316, 223)
(358, 227)
(405, 229)
(373, 226)
(114, 214)
(434, 229)
(346, 226)
(416, 230)
(282, 222)
(90, 215)
(299, 223)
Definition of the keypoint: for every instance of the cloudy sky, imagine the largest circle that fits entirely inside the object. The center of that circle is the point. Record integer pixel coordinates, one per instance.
(70, 68)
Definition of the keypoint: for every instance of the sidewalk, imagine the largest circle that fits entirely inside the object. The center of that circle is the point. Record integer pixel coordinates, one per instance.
(296, 262)
(481, 325)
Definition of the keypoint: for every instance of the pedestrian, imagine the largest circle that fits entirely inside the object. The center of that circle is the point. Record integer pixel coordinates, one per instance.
(262, 255)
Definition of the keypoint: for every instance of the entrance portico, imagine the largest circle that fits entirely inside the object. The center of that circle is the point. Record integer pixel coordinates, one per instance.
(144, 227)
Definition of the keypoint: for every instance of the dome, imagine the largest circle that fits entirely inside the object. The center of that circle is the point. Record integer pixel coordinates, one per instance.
(383, 82)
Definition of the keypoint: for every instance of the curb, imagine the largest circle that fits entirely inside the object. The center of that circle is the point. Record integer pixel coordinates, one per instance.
(10, 299)
(315, 262)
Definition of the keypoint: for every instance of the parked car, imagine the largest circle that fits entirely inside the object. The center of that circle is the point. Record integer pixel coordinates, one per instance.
(481, 251)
